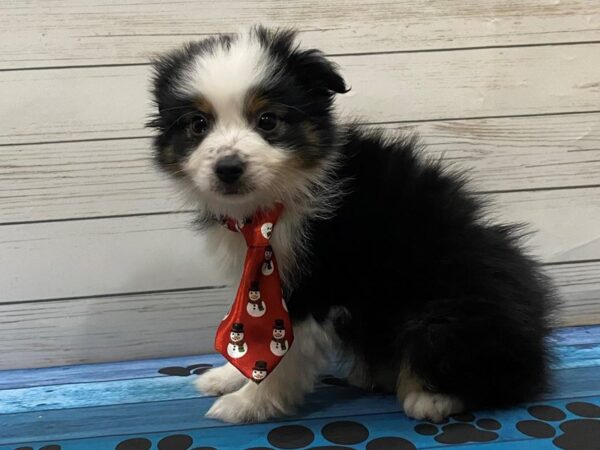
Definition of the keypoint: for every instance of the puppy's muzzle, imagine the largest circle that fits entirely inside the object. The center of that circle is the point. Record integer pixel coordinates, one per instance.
(229, 169)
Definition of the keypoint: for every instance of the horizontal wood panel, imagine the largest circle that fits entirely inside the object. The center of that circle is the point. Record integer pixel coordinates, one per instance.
(571, 343)
(378, 414)
(180, 323)
(157, 387)
(146, 253)
(75, 179)
(579, 288)
(74, 423)
(564, 223)
(104, 178)
(119, 370)
(141, 418)
(64, 33)
(111, 102)
(134, 280)
(580, 335)
(141, 381)
(103, 256)
(111, 329)
(91, 395)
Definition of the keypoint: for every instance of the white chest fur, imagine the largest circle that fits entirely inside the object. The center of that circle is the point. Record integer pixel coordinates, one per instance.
(229, 248)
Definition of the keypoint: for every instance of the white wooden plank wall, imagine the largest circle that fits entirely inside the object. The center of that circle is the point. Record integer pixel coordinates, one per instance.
(97, 259)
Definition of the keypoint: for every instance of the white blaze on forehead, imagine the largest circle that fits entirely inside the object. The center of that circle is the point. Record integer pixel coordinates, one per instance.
(224, 76)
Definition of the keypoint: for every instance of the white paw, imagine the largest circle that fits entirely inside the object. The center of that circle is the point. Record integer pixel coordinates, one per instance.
(430, 406)
(220, 380)
(242, 407)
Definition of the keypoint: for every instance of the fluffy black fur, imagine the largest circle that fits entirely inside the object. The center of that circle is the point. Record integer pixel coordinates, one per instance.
(424, 278)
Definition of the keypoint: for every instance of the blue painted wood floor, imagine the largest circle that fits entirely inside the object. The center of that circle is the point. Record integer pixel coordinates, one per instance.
(150, 405)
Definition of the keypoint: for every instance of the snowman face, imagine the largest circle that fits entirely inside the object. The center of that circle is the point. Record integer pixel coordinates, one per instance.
(266, 230)
(268, 255)
(278, 334)
(259, 374)
(254, 295)
(236, 336)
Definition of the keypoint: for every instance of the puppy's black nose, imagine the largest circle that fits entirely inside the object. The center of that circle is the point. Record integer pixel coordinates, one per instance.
(229, 168)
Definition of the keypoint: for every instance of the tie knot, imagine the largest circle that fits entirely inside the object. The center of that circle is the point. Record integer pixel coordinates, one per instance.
(257, 230)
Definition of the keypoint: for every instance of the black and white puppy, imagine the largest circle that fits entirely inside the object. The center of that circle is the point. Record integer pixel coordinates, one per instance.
(385, 257)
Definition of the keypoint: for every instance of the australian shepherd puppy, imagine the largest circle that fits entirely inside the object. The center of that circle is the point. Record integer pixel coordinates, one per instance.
(387, 259)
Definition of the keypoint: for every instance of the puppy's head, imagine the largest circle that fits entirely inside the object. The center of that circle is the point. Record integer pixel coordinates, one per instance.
(245, 120)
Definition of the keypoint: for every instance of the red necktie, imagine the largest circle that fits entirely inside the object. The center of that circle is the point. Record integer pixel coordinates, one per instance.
(257, 331)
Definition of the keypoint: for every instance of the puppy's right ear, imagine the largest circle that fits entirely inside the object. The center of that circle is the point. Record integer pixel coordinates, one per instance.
(310, 67)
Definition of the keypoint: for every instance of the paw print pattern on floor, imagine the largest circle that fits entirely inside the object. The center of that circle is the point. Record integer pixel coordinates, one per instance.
(340, 433)
(390, 443)
(194, 369)
(582, 433)
(290, 436)
(173, 442)
(463, 430)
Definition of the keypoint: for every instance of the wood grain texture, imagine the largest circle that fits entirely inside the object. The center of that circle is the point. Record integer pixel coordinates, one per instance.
(95, 372)
(112, 102)
(103, 256)
(147, 253)
(98, 415)
(563, 222)
(580, 335)
(579, 286)
(63, 33)
(170, 415)
(569, 341)
(584, 355)
(113, 328)
(143, 386)
(157, 324)
(77, 180)
(235, 437)
(105, 393)
(321, 407)
(74, 146)
(106, 178)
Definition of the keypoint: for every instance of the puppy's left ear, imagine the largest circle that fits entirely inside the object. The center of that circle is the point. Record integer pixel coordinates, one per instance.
(317, 72)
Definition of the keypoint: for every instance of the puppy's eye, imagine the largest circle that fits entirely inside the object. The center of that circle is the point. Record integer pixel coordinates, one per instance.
(267, 121)
(198, 126)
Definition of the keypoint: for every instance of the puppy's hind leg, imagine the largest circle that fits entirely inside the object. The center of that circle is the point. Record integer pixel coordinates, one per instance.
(419, 403)
(285, 387)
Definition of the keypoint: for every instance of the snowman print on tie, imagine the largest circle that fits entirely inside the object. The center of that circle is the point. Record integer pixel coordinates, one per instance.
(268, 265)
(266, 230)
(237, 346)
(256, 306)
(259, 371)
(279, 344)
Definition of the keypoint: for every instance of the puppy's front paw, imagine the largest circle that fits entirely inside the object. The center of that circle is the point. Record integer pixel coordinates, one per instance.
(245, 407)
(220, 380)
(434, 407)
